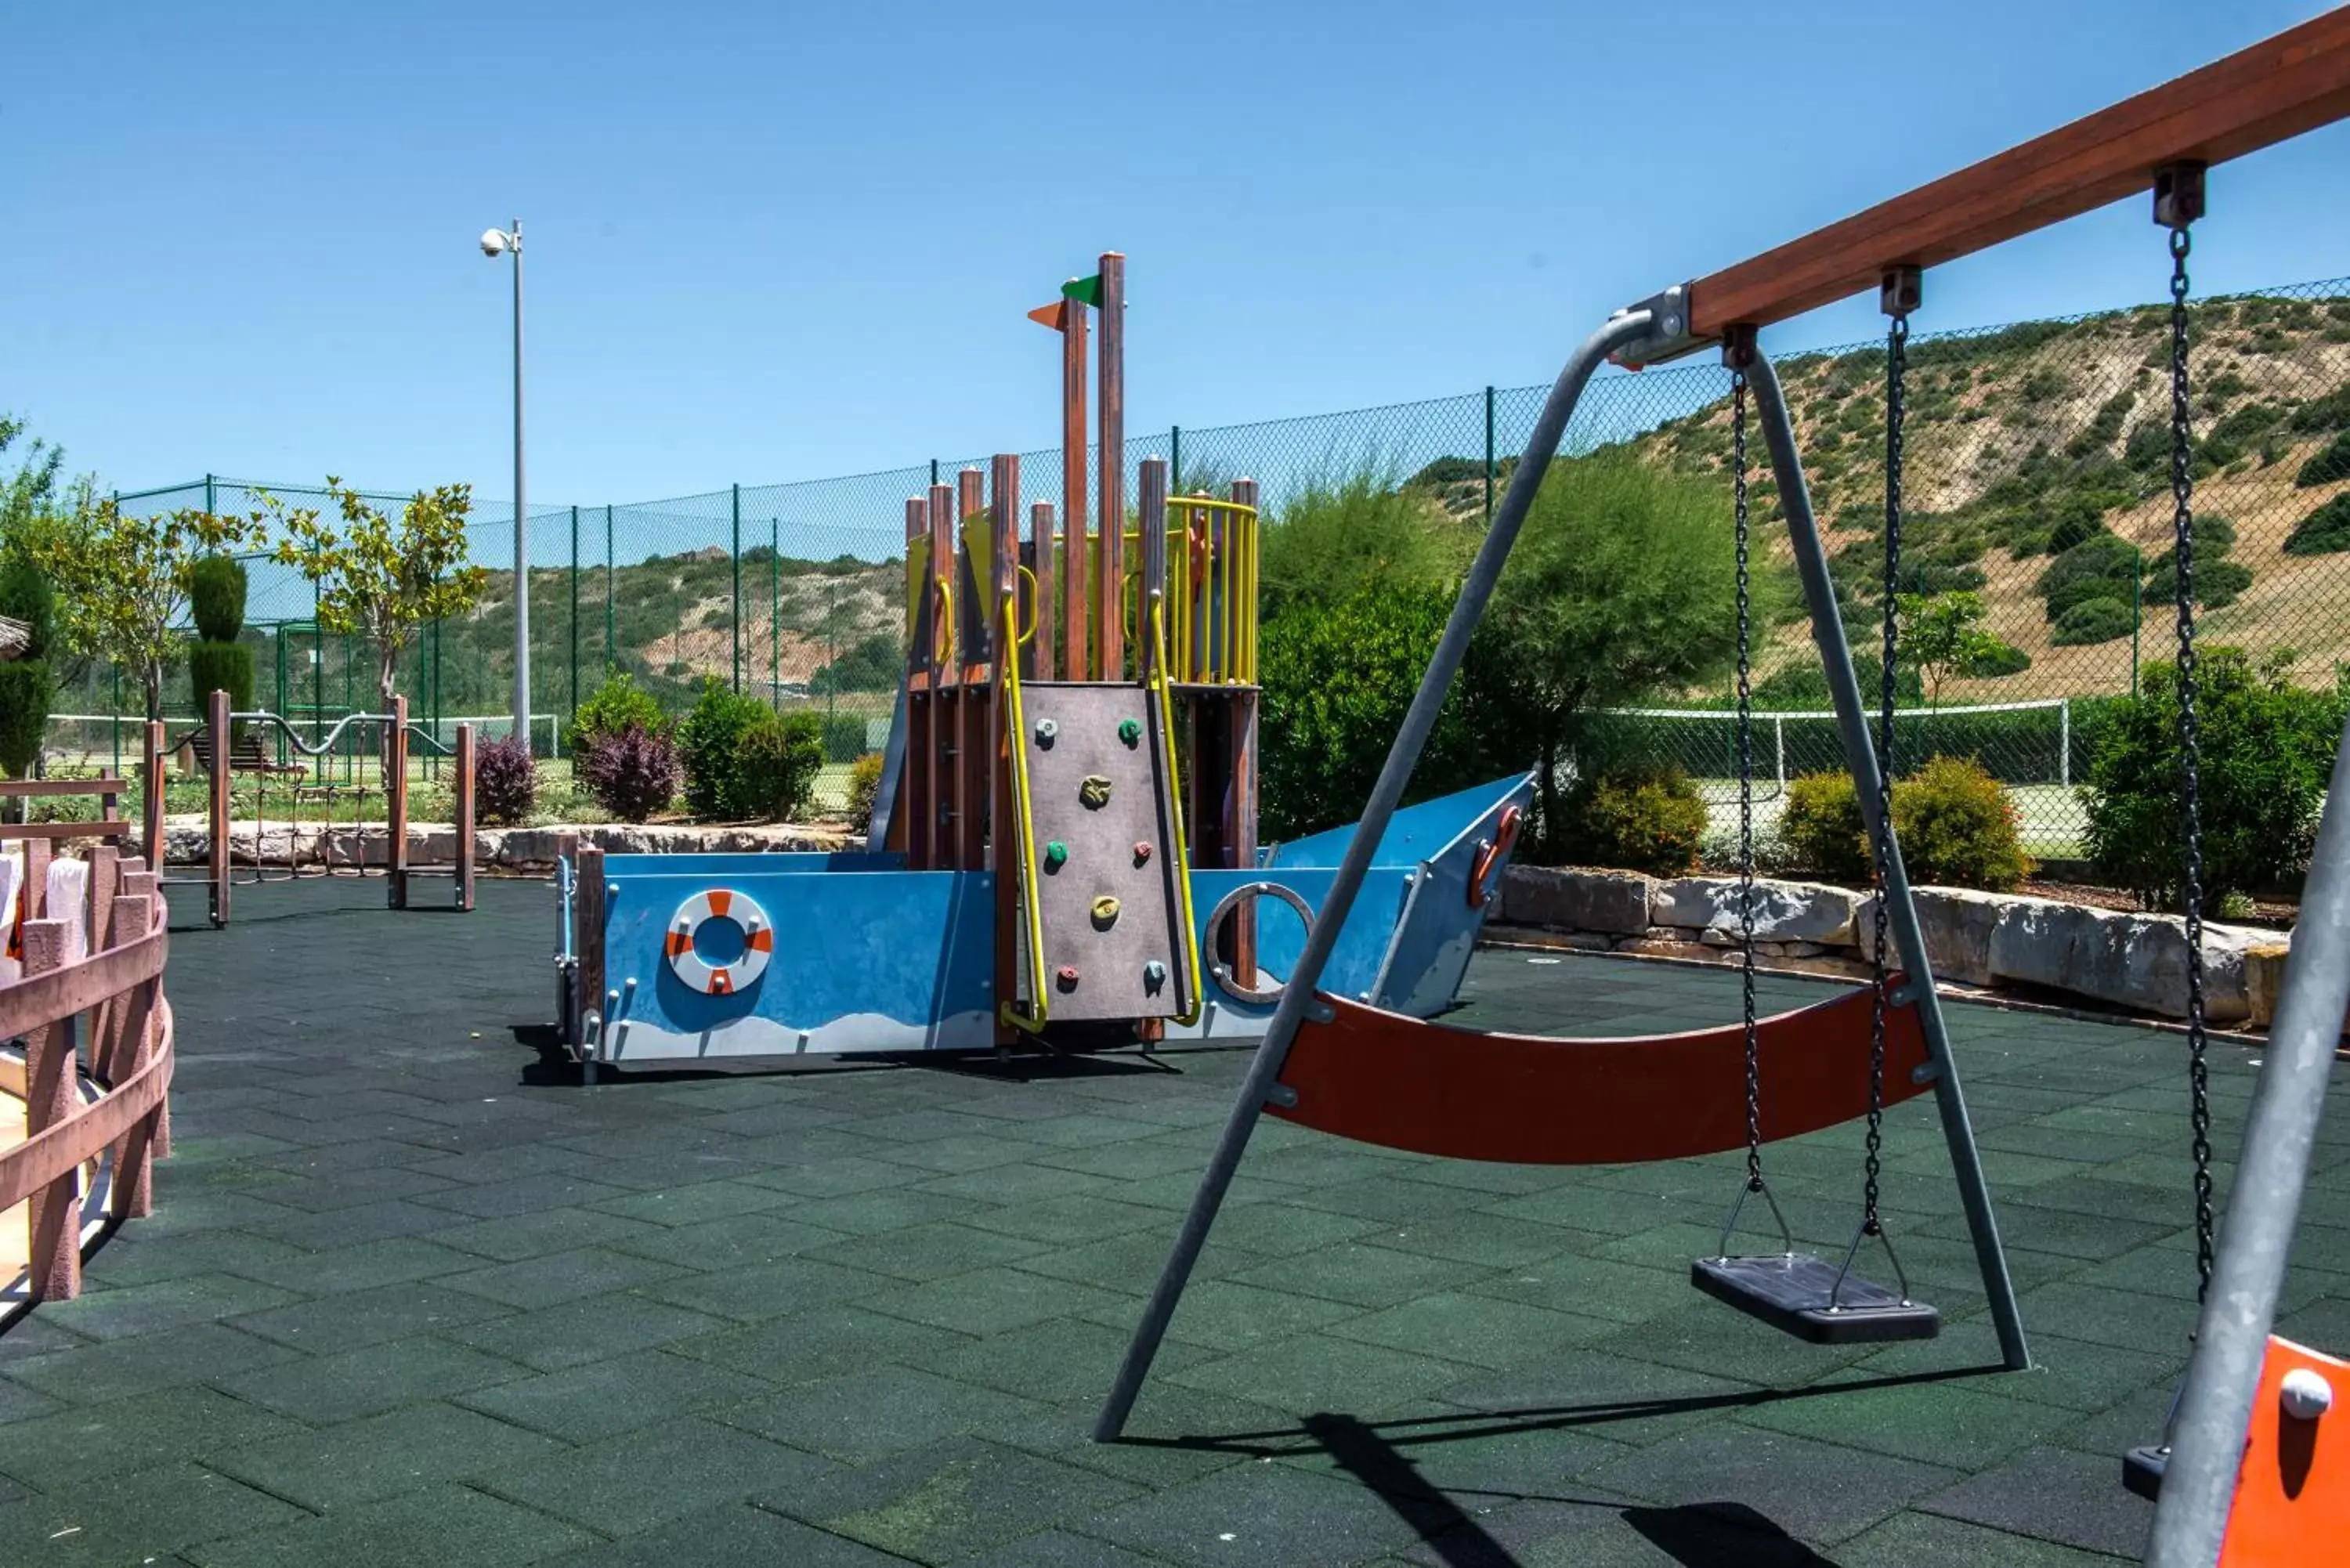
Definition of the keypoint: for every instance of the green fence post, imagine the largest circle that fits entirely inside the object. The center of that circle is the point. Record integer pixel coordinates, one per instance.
(318, 684)
(436, 692)
(1175, 458)
(611, 642)
(115, 728)
(2138, 599)
(737, 491)
(776, 614)
(212, 497)
(1489, 457)
(574, 613)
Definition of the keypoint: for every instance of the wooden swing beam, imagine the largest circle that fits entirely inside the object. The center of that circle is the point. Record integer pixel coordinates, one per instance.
(2255, 97)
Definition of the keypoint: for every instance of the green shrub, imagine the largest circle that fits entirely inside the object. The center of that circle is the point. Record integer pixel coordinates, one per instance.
(2265, 747)
(2094, 620)
(2331, 462)
(2324, 531)
(864, 789)
(844, 737)
(775, 766)
(2098, 567)
(1649, 822)
(216, 587)
(1822, 826)
(1332, 540)
(26, 693)
(611, 708)
(25, 595)
(1957, 827)
(710, 745)
(2218, 584)
(221, 667)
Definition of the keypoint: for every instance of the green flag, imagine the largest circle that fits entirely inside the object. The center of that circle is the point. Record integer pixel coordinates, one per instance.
(1084, 290)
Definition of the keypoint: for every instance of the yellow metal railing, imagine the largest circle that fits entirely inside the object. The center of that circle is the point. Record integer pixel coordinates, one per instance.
(1187, 933)
(1016, 734)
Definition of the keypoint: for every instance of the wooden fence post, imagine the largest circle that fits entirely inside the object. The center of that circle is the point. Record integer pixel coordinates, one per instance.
(53, 1267)
(395, 783)
(464, 814)
(217, 724)
(151, 786)
(138, 1021)
(587, 929)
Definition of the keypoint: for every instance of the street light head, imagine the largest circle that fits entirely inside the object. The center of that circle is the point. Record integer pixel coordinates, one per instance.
(496, 242)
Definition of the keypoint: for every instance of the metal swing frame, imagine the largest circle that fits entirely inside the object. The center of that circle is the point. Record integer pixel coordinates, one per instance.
(2258, 97)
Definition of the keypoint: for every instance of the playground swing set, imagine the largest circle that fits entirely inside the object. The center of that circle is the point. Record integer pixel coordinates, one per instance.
(2245, 1476)
(227, 744)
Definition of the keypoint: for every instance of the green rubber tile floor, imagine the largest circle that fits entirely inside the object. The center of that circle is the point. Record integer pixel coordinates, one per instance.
(413, 1293)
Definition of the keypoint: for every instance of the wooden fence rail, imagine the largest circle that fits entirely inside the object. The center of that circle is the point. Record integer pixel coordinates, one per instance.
(115, 996)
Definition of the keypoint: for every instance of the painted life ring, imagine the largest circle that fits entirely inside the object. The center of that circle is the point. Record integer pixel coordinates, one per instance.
(719, 904)
(1489, 850)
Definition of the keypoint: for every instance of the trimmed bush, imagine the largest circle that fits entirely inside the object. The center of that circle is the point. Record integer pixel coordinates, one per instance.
(710, 743)
(2331, 462)
(775, 766)
(2265, 750)
(864, 789)
(1957, 827)
(632, 774)
(221, 667)
(505, 781)
(2324, 531)
(25, 693)
(610, 709)
(1649, 822)
(1822, 826)
(844, 737)
(25, 595)
(2094, 620)
(216, 585)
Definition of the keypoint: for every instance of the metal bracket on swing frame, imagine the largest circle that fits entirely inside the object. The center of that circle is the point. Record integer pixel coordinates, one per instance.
(1667, 337)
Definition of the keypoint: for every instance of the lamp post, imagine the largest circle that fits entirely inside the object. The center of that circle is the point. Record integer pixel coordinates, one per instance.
(495, 244)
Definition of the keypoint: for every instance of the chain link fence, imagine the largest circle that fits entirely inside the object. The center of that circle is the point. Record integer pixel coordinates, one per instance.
(2036, 540)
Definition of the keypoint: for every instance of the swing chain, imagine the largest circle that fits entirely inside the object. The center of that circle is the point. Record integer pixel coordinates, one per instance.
(1896, 369)
(1746, 788)
(2190, 805)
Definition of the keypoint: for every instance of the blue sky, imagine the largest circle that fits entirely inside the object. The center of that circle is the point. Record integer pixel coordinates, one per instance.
(783, 240)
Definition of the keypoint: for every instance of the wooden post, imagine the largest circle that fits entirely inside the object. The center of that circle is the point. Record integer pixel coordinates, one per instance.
(974, 616)
(34, 901)
(150, 788)
(464, 814)
(1036, 655)
(1109, 592)
(137, 1022)
(216, 718)
(917, 805)
(588, 928)
(943, 676)
(53, 1269)
(1150, 577)
(105, 862)
(394, 755)
(1072, 490)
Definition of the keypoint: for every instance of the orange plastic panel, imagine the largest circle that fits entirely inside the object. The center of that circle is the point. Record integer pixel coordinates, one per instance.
(2293, 1494)
(1380, 1077)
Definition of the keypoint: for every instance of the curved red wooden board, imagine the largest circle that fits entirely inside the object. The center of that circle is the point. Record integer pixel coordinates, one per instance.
(1382, 1078)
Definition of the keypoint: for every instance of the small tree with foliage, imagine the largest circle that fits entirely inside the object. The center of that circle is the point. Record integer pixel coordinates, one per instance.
(123, 579)
(1942, 636)
(379, 578)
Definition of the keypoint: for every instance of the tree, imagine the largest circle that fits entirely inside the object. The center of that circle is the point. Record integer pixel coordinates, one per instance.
(26, 495)
(1623, 584)
(379, 578)
(1942, 636)
(122, 581)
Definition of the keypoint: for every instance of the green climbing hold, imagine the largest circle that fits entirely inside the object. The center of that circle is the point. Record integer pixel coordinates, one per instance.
(1056, 853)
(1130, 731)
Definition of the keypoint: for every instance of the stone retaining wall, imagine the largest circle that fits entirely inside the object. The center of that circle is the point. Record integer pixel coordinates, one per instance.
(187, 841)
(2137, 962)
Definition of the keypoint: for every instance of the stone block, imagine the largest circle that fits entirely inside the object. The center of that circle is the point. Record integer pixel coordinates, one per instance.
(1613, 901)
(1784, 911)
(2134, 961)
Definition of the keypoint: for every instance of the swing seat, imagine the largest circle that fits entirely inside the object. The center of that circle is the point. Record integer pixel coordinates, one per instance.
(1383, 1078)
(1790, 1291)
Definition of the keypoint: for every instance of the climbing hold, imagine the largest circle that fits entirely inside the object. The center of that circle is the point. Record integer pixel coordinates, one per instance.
(1130, 731)
(1104, 911)
(1095, 790)
(1141, 851)
(1154, 975)
(1045, 729)
(1056, 855)
(1066, 975)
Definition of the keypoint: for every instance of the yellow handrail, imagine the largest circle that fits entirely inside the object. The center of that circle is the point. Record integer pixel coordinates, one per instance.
(1189, 932)
(1035, 607)
(946, 616)
(1017, 735)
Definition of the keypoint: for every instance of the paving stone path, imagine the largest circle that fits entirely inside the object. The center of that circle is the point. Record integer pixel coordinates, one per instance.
(412, 1295)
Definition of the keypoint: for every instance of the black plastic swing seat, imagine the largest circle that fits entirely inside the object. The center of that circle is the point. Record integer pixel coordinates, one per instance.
(2142, 1469)
(1790, 1291)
